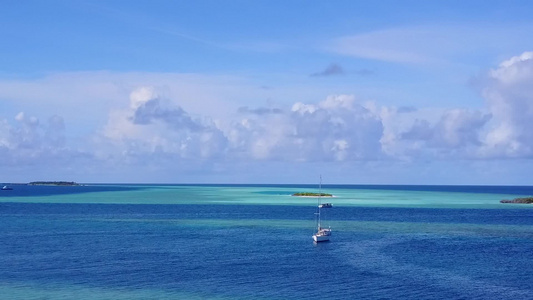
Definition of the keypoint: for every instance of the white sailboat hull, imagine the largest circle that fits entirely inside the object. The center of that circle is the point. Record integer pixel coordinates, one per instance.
(322, 235)
(320, 238)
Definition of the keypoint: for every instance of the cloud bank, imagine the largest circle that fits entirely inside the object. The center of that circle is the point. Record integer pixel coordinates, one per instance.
(153, 130)
(343, 128)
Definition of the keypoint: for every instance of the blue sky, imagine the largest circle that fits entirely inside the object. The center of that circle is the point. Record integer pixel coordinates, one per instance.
(370, 92)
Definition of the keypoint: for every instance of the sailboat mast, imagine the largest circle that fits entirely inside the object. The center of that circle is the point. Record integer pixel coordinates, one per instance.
(322, 234)
(319, 195)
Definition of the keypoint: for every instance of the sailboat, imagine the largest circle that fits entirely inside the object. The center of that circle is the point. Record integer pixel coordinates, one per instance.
(322, 234)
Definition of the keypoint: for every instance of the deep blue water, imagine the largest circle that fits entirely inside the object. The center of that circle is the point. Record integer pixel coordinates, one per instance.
(265, 251)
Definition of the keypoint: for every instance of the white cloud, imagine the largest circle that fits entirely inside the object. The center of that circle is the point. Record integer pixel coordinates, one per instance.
(509, 94)
(156, 126)
(98, 92)
(502, 129)
(510, 65)
(435, 44)
(453, 134)
(30, 141)
(336, 129)
(395, 45)
(148, 126)
(142, 95)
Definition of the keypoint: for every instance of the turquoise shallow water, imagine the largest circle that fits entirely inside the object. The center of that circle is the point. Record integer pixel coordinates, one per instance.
(244, 242)
(370, 196)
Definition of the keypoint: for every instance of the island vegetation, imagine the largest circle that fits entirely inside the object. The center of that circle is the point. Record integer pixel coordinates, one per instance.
(60, 183)
(526, 200)
(308, 194)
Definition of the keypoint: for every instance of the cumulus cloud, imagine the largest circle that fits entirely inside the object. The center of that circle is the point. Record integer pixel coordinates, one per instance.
(148, 108)
(501, 129)
(456, 133)
(455, 129)
(338, 128)
(154, 125)
(508, 91)
(29, 140)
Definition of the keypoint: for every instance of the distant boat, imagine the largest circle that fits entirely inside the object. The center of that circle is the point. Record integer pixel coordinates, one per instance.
(322, 234)
(6, 188)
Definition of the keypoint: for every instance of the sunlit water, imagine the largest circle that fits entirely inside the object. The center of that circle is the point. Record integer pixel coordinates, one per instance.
(254, 242)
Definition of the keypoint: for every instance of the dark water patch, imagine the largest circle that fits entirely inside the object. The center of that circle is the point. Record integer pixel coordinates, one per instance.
(275, 212)
(23, 190)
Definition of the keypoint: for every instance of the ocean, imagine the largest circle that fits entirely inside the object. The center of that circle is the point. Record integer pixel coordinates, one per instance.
(120, 241)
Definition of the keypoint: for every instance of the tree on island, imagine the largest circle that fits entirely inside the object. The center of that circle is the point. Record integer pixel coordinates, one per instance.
(309, 194)
(526, 200)
(62, 183)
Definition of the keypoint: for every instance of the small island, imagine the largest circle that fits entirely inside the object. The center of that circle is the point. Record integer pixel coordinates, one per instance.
(59, 183)
(526, 200)
(308, 194)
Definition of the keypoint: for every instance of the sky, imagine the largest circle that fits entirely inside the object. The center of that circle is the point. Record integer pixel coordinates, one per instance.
(274, 92)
